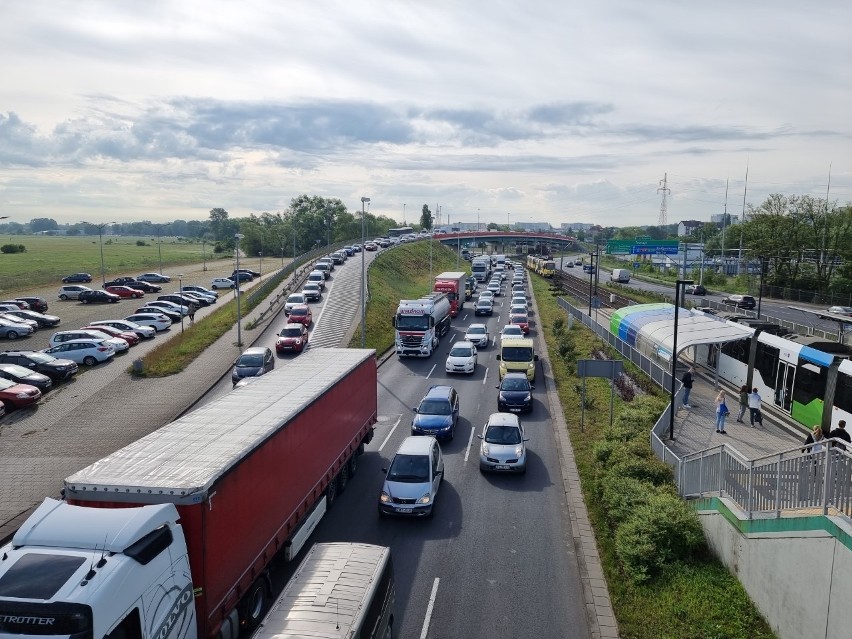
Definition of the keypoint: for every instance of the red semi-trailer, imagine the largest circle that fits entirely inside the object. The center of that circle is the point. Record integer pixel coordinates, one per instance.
(196, 510)
(452, 284)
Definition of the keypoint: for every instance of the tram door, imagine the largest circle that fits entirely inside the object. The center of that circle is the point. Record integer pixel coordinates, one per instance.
(784, 386)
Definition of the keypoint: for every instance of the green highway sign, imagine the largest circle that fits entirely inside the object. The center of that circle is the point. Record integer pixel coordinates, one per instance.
(642, 246)
(619, 247)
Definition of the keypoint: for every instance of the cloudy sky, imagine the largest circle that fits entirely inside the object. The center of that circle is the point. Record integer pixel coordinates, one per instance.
(544, 110)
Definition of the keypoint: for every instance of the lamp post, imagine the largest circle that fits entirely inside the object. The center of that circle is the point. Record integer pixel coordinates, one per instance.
(364, 200)
(160, 249)
(403, 213)
(678, 285)
(204, 254)
(475, 240)
(180, 288)
(260, 269)
(101, 242)
(591, 279)
(237, 238)
(760, 286)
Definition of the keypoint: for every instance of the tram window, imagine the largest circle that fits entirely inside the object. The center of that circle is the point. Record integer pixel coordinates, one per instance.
(766, 361)
(810, 384)
(738, 349)
(843, 393)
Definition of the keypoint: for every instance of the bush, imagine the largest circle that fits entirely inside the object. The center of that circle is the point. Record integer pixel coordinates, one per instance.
(620, 496)
(13, 248)
(141, 243)
(636, 460)
(662, 531)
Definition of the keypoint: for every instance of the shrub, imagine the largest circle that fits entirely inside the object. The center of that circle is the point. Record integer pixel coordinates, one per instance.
(13, 248)
(620, 496)
(141, 243)
(661, 531)
(636, 460)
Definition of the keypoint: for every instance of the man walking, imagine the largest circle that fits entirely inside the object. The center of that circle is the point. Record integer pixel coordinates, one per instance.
(754, 408)
(840, 433)
(687, 386)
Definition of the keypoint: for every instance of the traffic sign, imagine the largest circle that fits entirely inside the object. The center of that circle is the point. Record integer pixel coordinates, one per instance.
(596, 302)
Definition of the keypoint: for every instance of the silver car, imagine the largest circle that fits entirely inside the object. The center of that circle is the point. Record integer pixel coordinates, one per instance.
(413, 478)
(503, 444)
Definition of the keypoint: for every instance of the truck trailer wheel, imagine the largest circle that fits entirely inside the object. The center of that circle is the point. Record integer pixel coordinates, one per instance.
(353, 465)
(254, 604)
(331, 493)
(343, 478)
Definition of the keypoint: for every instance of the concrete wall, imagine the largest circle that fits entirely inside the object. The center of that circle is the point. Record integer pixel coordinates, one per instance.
(797, 570)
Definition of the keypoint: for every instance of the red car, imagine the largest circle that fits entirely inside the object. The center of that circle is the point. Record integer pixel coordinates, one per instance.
(293, 337)
(128, 336)
(301, 314)
(522, 320)
(125, 291)
(15, 395)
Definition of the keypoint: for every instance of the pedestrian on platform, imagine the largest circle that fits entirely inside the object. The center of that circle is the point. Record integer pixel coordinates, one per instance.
(687, 386)
(191, 313)
(754, 407)
(840, 433)
(815, 441)
(743, 402)
(721, 413)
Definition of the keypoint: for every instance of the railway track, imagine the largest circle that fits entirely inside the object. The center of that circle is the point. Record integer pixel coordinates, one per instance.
(578, 288)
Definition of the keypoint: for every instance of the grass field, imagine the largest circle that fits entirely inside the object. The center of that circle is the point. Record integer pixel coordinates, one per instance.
(49, 258)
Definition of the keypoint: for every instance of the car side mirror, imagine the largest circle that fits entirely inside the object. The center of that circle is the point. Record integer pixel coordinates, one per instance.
(498, 357)
(526, 439)
(497, 387)
(414, 409)
(385, 470)
(532, 386)
(479, 437)
(535, 358)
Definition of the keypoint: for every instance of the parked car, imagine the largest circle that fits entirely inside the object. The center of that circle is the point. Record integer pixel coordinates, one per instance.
(157, 278)
(294, 299)
(197, 298)
(180, 300)
(462, 358)
(56, 369)
(24, 375)
(118, 344)
(293, 337)
(19, 304)
(125, 292)
(242, 276)
(301, 314)
(153, 318)
(253, 362)
(83, 351)
(174, 315)
(14, 395)
(477, 334)
(77, 277)
(38, 304)
(840, 310)
(437, 414)
(511, 331)
(145, 332)
(40, 319)
(249, 271)
(72, 292)
(503, 444)
(514, 393)
(128, 336)
(14, 330)
(413, 478)
(312, 292)
(139, 285)
(194, 288)
(740, 301)
(483, 307)
(98, 297)
(17, 319)
(696, 289)
(222, 282)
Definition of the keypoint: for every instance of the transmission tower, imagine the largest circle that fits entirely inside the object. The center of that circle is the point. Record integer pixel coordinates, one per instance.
(665, 190)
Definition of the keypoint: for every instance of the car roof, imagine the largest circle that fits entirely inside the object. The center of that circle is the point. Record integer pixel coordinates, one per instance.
(300, 307)
(438, 392)
(463, 343)
(258, 350)
(477, 326)
(510, 375)
(504, 419)
(298, 325)
(416, 445)
(518, 341)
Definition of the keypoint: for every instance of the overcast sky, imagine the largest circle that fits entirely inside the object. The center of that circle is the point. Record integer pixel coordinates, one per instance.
(544, 110)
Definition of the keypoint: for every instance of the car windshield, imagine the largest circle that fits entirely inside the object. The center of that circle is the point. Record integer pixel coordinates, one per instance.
(412, 322)
(484, 303)
(461, 351)
(6, 383)
(409, 468)
(41, 358)
(511, 331)
(434, 407)
(291, 332)
(515, 384)
(296, 299)
(518, 318)
(476, 330)
(517, 354)
(299, 311)
(14, 369)
(502, 435)
(252, 359)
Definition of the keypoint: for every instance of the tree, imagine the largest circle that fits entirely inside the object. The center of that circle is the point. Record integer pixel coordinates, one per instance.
(43, 224)
(426, 218)
(219, 224)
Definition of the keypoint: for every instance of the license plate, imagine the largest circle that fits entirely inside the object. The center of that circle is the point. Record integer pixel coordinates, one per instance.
(403, 510)
(514, 410)
(501, 467)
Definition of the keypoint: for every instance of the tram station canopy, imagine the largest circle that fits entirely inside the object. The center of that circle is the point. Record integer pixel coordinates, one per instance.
(650, 328)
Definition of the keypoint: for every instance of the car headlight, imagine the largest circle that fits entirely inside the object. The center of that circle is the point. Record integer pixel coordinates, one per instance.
(384, 498)
(527, 397)
(485, 449)
(501, 397)
(425, 499)
(531, 365)
(519, 450)
(299, 341)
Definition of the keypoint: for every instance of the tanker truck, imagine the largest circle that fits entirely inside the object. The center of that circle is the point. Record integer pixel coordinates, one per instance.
(420, 324)
(171, 536)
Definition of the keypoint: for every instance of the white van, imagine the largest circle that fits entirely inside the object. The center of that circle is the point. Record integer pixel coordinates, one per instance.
(339, 590)
(620, 275)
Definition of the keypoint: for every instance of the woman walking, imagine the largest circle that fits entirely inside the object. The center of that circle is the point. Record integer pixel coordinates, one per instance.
(721, 413)
(743, 403)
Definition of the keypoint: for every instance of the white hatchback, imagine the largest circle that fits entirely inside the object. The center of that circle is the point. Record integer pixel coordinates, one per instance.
(295, 299)
(511, 331)
(83, 351)
(157, 321)
(477, 334)
(503, 444)
(462, 358)
(222, 282)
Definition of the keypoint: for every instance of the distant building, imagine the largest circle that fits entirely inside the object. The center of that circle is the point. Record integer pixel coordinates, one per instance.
(575, 226)
(532, 227)
(732, 219)
(688, 227)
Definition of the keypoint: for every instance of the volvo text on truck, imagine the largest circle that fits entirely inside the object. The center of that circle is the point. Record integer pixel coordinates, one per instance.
(452, 284)
(171, 536)
(420, 324)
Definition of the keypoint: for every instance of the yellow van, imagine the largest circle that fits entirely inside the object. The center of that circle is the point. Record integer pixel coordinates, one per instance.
(517, 356)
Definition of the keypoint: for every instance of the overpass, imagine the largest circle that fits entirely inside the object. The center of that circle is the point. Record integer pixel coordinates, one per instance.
(509, 242)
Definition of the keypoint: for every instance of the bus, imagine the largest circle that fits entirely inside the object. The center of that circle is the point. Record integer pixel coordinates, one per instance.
(339, 590)
(399, 232)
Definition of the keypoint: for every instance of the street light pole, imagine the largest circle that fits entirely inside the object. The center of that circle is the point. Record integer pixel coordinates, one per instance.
(160, 249)
(364, 200)
(204, 254)
(678, 285)
(238, 237)
(180, 288)
(403, 214)
(760, 290)
(100, 242)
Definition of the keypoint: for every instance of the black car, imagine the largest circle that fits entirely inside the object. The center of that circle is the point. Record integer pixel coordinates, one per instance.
(696, 289)
(199, 300)
(242, 276)
(254, 361)
(514, 393)
(139, 285)
(76, 278)
(740, 301)
(24, 375)
(56, 369)
(172, 315)
(183, 300)
(38, 304)
(43, 321)
(98, 297)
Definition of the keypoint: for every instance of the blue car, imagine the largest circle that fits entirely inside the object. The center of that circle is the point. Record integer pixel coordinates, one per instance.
(437, 414)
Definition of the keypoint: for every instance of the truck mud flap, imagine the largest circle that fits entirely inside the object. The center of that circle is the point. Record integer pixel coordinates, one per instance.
(370, 434)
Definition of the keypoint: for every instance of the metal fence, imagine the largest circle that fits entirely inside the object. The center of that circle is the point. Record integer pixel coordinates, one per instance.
(790, 482)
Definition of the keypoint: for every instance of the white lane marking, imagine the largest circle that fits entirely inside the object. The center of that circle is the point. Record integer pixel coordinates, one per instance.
(393, 428)
(324, 306)
(431, 370)
(485, 377)
(429, 608)
(469, 442)
(452, 338)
